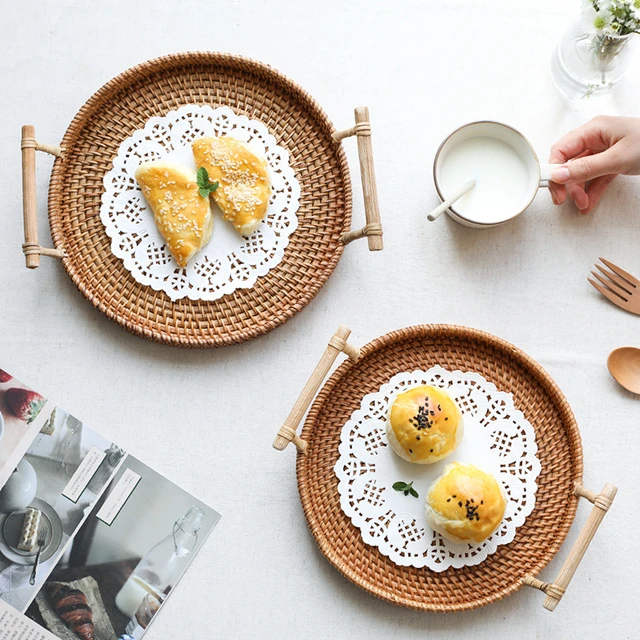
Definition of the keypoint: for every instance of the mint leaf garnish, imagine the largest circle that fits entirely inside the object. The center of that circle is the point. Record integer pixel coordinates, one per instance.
(407, 489)
(205, 186)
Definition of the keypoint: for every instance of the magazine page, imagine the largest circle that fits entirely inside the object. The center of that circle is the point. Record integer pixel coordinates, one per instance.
(23, 412)
(125, 559)
(46, 498)
(16, 626)
(92, 541)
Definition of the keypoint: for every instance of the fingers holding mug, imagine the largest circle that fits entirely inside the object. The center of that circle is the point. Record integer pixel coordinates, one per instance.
(586, 177)
(596, 190)
(588, 167)
(578, 193)
(568, 149)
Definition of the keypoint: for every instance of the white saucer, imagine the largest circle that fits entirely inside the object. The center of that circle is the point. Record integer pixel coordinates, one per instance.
(11, 526)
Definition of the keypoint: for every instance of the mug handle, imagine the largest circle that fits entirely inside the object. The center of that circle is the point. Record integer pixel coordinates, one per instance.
(545, 173)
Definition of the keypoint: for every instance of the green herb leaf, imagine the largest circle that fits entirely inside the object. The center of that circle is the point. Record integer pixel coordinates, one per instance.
(203, 178)
(405, 488)
(205, 186)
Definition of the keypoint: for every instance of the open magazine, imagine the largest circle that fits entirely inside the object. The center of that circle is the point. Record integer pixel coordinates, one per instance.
(92, 541)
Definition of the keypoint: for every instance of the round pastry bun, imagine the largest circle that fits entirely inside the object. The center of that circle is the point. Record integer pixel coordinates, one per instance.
(465, 504)
(424, 425)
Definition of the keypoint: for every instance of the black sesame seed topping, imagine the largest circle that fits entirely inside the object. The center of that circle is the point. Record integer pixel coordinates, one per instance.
(421, 420)
(472, 510)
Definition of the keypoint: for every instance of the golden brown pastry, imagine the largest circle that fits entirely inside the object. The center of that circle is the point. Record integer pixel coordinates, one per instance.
(182, 215)
(243, 181)
(72, 608)
(465, 504)
(424, 425)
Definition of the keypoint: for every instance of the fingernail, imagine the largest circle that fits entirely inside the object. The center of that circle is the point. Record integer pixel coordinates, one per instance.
(584, 211)
(553, 197)
(560, 175)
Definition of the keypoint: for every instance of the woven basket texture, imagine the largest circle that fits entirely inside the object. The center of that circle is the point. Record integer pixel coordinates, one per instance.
(153, 88)
(534, 393)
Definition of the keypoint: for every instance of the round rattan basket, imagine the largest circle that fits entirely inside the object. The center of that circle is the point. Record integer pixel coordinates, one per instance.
(559, 452)
(154, 88)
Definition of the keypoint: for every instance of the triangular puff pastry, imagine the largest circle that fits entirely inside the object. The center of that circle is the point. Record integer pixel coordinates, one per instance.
(243, 181)
(183, 216)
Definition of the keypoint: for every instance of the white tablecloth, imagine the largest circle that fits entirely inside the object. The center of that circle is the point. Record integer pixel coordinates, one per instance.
(423, 68)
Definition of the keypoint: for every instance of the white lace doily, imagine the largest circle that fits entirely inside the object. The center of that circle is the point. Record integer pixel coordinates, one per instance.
(229, 261)
(497, 438)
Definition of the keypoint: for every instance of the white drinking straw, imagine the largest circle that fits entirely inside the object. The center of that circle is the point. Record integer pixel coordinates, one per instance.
(449, 201)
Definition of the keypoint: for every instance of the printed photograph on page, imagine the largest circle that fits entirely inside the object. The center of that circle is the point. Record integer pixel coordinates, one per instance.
(23, 412)
(124, 560)
(45, 499)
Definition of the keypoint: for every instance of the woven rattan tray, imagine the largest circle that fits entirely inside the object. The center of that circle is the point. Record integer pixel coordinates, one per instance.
(154, 88)
(559, 452)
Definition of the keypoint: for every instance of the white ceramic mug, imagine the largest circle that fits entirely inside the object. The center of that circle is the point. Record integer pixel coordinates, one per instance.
(504, 165)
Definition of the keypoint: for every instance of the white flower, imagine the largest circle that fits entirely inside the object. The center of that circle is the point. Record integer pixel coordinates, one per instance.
(611, 17)
(597, 20)
(626, 15)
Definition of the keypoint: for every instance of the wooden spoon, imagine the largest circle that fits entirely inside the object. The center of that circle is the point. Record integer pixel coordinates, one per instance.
(624, 366)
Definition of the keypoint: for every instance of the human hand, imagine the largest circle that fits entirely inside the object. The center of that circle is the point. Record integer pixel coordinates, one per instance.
(592, 156)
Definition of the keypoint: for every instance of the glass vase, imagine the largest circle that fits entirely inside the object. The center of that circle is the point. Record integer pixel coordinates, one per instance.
(589, 63)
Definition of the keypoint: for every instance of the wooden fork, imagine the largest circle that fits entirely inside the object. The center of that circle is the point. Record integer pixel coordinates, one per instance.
(618, 286)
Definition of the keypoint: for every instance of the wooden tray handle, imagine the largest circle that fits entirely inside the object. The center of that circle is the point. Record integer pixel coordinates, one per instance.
(337, 344)
(601, 503)
(373, 229)
(31, 247)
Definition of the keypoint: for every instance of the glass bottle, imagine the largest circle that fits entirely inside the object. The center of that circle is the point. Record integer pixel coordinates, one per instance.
(160, 568)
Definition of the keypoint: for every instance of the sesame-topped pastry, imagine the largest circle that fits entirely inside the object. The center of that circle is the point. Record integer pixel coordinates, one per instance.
(465, 504)
(243, 180)
(182, 215)
(424, 425)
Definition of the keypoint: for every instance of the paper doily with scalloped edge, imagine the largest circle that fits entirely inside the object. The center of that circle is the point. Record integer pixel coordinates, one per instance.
(229, 261)
(497, 438)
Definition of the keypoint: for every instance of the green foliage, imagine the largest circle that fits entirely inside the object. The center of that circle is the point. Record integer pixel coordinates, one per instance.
(205, 186)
